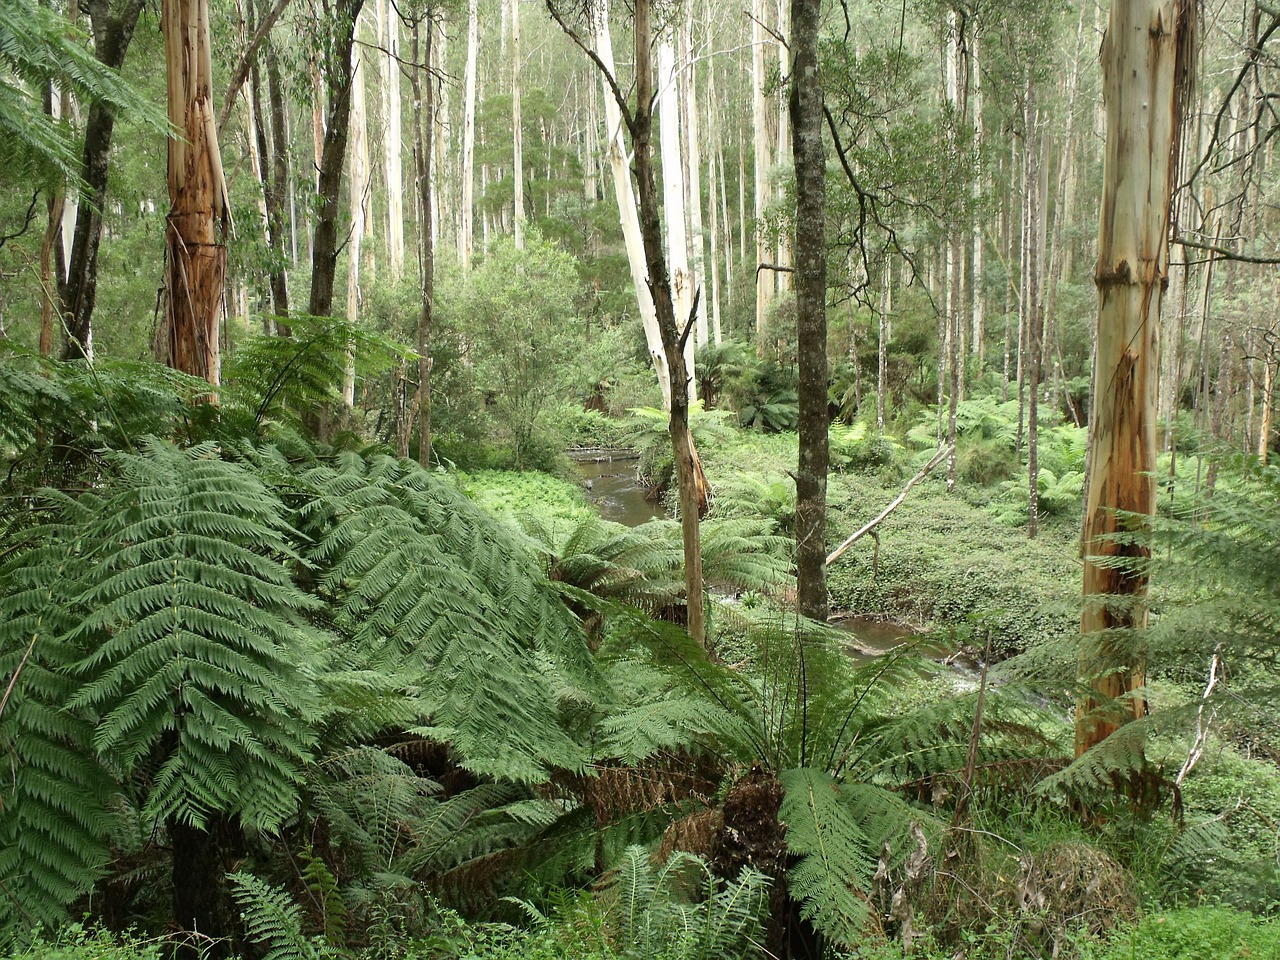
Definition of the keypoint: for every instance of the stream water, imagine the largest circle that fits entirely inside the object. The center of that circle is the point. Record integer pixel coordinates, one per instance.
(613, 487)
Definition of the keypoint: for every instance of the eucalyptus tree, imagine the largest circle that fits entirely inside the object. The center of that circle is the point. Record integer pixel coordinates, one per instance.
(1147, 58)
(809, 153)
(335, 37)
(112, 24)
(195, 247)
(673, 330)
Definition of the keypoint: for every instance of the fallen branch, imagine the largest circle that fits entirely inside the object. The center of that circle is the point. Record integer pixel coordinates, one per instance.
(1202, 724)
(937, 458)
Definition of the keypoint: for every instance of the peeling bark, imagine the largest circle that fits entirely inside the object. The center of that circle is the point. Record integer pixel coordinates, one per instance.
(195, 255)
(1147, 60)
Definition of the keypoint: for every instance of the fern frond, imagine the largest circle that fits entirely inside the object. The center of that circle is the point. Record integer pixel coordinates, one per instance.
(271, 918)
(55, 799)
(834, 863)
(421, 578)
(195, 631)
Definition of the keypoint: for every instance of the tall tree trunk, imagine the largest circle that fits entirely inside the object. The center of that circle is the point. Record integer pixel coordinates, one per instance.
(782, 254)
(1036, 168)
(1268, 392)
(195, 254)
(624, 193)
(763, 160)
(517, 132)
(338, 82)
(358, 178)
(692, 157)
(280, 181)
(1147, 59)
(112, 33)
(673, 199)
(423, 131)
(977, 341)
(393, 149)
(688, 469)
(466, 236)
(809, 157)
(57, 104)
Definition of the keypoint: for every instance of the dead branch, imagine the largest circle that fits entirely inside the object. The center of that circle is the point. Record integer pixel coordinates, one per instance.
(937, 458)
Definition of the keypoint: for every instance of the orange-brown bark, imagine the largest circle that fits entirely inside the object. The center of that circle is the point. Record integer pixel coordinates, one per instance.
(1146, 57)
(196, 257)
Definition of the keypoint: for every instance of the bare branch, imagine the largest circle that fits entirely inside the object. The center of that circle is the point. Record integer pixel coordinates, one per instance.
(1223, 252)
(241, 72)
(609, 78)
(838, 552)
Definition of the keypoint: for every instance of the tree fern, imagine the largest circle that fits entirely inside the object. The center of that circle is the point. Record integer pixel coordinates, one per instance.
(835, 863)
(281, 378)
(194, 632)
(273, 920)
(677, 910)
(419, 577)
(55, 797)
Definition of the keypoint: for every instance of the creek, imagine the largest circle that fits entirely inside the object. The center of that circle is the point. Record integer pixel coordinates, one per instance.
(613, 487)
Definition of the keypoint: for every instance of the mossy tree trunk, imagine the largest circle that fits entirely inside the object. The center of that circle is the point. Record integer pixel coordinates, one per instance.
(1147, 60)
(809, 157)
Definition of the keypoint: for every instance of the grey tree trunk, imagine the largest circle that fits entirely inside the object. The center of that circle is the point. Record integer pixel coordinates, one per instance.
(112, 26)
(337, 75)
(809, 158)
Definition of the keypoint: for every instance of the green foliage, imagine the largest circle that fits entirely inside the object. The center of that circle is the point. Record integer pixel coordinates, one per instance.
(649, 436)
(511, 493)
(857, 447)
(680, 911)
(770, 497)
(194, 633)
(1193, 934)
(282, 379)
(1057, 497)
(272, 920)
(517, 308)
(834, 861)
(931, 549)
(75, 941)
(163, 605)
(38, 46)
(419, 578)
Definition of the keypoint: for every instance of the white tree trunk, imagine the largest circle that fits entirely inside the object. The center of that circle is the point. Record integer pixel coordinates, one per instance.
(358, 183)
(782, 150)
(517, 133)
(765, 282)
(1147, 58)
(624, 193)
(466, 233)
(673, 196)
(393, 169)
(693, 172)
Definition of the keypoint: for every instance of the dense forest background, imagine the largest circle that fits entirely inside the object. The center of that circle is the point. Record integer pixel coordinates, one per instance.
(314, 642)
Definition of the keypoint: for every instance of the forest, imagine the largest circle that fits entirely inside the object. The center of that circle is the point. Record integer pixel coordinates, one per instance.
(666, 479)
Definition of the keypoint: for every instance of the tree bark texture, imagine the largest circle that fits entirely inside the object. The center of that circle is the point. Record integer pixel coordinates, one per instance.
(423, 135)
(333, 152)
(195, 254)
(112, 32)
(466, 236)
(629, 219)
(688, 470)
(809, 158)
(1147, 60)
